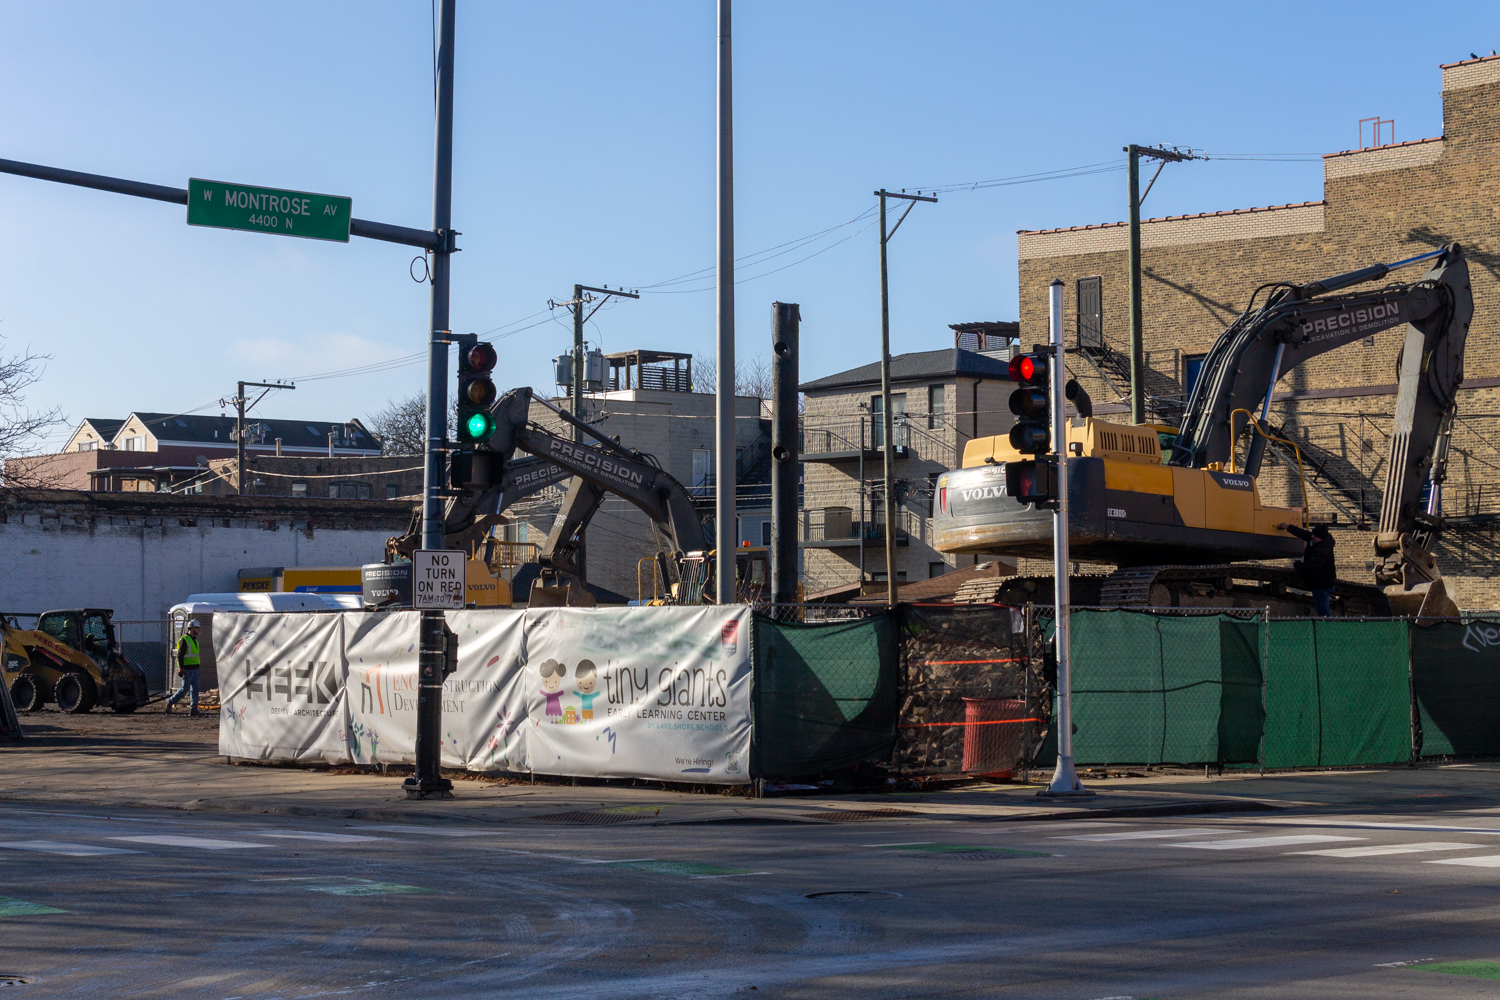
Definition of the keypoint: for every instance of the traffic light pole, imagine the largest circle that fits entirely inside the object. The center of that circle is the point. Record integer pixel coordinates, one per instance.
(887, 422)
(1064, 777)
(428, 780)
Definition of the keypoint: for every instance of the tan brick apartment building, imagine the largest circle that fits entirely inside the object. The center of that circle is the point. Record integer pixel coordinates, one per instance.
(1379, 204)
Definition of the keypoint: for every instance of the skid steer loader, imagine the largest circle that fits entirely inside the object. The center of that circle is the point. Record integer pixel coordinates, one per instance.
(71, 659)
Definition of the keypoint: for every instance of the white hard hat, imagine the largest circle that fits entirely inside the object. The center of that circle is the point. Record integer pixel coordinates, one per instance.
(193, 624)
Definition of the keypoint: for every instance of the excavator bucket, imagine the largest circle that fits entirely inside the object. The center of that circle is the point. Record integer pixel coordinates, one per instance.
(570, 595)
(1429, 600)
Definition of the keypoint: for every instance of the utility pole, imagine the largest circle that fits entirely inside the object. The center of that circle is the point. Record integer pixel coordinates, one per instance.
(427, 781)
(582, 296)
(724, 470)
(886, 422)
(239, 427)
(1137, 342)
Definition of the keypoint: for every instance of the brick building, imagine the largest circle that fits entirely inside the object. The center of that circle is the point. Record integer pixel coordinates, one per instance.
(1379, 204)
(939, 401)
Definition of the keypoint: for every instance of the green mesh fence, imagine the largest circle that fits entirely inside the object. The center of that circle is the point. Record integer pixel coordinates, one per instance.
(825, 695)
(1455, 676)
(1157, 689)
(1337, 693)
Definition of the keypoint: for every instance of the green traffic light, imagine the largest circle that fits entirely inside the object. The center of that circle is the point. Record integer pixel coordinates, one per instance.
(479, 426)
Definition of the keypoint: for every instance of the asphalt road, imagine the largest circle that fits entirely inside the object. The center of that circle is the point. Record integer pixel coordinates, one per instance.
(182, 905)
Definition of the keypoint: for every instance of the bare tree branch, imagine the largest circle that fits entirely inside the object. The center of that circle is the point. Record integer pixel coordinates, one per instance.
(402, 425)
(20, 427)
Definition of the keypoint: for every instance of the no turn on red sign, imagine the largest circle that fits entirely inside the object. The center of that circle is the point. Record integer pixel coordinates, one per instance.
(438, 579)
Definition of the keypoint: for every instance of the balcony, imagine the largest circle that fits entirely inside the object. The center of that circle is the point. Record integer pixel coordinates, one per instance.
(835, 439)
(836, 528)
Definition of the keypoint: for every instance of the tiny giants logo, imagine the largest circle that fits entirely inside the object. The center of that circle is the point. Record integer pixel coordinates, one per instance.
(729, 638)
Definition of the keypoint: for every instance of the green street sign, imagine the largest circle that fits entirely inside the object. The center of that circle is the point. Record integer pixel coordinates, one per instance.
(267, 210)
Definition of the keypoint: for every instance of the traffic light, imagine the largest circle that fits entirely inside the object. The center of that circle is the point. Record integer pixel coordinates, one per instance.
(471, 465)
(1032, 481)
(1031, 404)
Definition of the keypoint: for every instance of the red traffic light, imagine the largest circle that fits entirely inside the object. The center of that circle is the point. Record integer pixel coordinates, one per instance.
(482, 357)
(1028, 369)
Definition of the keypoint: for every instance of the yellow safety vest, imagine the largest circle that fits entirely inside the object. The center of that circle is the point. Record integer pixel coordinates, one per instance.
(190, 660)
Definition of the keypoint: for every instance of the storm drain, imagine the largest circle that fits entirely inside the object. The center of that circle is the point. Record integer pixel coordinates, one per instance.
(589, 818)
(853, 895)
(856, 815)
(6, 980)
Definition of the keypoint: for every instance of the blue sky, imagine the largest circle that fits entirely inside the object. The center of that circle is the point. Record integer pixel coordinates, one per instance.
(585, 153)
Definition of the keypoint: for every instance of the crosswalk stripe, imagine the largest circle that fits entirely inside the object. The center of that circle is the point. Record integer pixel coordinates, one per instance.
(61, 847)
(1375, 851)
(331, 838)
(202, 843)
(1488, 861)
(1244, 842)
(1189, 831)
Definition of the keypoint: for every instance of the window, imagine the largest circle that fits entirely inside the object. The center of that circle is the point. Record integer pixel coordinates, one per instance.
(880, 577)
(703, 467)
(937, 407)
(299, 489)
(392, 491)
(898, 420)
(1192, 364)
(63, 627)
(1090, 314)
(936, 569)
(88, 446)
(350, 491)
(765, 533)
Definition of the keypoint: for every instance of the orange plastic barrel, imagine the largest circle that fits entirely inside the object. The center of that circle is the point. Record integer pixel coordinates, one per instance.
(993, 733)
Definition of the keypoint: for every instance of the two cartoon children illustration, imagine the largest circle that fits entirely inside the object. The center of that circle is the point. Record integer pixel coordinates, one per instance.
(586, 677)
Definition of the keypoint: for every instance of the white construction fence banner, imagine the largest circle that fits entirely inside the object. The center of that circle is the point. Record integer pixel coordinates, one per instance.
(660, 693)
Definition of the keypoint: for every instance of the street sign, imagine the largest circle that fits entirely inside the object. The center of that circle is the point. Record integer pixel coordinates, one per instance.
(438, 579)
(267, 210)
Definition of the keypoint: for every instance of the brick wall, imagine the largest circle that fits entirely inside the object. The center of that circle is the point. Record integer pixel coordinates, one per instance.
(1379, 205)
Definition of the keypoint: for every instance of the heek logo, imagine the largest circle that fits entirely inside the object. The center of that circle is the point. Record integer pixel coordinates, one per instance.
(315, 682)
(1477, 637)
(729, 638)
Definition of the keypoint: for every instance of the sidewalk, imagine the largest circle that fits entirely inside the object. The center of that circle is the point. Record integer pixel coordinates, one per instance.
(163, 761)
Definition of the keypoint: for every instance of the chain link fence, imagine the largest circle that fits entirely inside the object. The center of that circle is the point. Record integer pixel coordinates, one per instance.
(147, 644)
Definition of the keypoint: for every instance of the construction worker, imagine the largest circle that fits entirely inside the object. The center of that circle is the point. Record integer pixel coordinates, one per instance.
(1316, 565)
(188, 660)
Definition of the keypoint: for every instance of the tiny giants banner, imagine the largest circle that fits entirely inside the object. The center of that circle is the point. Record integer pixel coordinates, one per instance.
(659, 693)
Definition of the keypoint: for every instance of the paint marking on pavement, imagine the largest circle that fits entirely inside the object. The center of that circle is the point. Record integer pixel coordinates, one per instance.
(331, 838)
(904, 843)
(435, 831)
(1476, 969)
(1488, 861)
(1370, 852)
(687, 869)
(364, 887)
(201, 843)
(1190, 831)
(1398, 965)
(622, 861)
(1241, 843)
(60, 847)
(11, 907)
(1355, 825)
(730, 875)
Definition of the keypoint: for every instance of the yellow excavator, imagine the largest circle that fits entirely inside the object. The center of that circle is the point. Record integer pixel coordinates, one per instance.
(70, 659)
(1171, 508)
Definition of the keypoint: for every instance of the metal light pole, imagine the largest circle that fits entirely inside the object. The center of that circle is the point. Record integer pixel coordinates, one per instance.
(428, 781)
(1064, 777)
(786, 327)
(724, 470)
(886, 421)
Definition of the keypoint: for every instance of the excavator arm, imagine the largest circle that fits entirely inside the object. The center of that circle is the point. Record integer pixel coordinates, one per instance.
(466, 519)
(600, 468)
(1299, 322)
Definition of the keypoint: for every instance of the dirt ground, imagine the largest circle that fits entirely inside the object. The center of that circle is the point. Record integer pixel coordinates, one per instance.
(146, 726)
